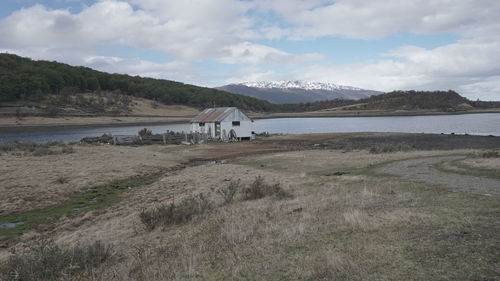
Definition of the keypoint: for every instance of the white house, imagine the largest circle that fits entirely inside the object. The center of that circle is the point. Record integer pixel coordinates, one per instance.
(223, 123)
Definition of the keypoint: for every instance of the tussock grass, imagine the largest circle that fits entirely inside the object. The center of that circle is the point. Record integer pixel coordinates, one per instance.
(45, 260)
(176, 213)
(259, 189)
(187, 209)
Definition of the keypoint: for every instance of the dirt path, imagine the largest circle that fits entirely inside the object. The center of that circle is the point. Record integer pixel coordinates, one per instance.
(422, 170)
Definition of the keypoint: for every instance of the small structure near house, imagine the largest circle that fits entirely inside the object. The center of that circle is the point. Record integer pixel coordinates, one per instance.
(223, 123)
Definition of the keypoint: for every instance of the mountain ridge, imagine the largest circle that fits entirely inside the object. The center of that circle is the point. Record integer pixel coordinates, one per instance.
(296, 91)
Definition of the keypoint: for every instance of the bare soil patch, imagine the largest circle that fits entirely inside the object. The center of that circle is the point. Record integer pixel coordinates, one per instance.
(422, 169)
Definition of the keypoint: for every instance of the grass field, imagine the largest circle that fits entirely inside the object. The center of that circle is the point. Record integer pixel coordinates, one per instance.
(336, 217)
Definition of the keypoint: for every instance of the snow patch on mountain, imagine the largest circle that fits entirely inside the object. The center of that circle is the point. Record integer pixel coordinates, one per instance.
(306, 85)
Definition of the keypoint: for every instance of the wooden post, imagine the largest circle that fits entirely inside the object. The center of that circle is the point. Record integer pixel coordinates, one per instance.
(164, 139)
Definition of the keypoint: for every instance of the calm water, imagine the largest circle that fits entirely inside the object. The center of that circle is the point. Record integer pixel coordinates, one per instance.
(474, 124)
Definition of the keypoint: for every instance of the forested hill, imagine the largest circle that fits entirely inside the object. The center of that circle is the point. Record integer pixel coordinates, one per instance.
(423, 100)
(23, 79)
(30, 80)
(445, 101)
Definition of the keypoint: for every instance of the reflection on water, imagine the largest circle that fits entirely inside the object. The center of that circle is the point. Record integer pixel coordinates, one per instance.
(474, 124)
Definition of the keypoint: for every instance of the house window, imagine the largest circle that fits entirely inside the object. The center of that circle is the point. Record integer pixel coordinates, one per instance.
(236, 123)
(202, 124)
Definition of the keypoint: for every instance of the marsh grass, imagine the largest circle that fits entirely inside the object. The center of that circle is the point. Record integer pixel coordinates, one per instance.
(93, 199)
(36, 149)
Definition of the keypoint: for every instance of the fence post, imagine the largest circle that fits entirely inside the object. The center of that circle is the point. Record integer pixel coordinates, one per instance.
(164, 138)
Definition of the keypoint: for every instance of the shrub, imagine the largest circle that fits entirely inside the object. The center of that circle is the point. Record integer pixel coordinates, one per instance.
(67, 149)
(173, 213)
(41, 151)
(62, 179)
(259, 189)
(490, 154)
(388, 148)
(145, 132)
(45, 260)
(229, 192)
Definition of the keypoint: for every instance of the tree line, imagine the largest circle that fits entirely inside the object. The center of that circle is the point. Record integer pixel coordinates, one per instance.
(23, 79)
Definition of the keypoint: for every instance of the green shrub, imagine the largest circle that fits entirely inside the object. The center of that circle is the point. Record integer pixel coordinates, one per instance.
(45, 260)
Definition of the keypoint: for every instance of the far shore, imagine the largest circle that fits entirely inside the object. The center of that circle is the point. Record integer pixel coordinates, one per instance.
(30, 124)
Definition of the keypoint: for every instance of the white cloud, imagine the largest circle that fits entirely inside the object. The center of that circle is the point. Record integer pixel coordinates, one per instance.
(225, 31)
(464, 65)
(251, 53)
(379, 18)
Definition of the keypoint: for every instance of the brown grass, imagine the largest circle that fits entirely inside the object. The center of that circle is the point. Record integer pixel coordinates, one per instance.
(355, 226)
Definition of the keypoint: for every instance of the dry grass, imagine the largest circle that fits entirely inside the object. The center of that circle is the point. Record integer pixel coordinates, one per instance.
(354, 226)
(45, 260)
(28, 181)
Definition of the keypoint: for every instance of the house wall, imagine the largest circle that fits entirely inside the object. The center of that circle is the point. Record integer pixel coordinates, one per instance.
(195, 127)
(243, 131)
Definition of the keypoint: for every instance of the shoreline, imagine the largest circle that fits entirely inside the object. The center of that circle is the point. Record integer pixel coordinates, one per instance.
(368, 114)
(62, 127)
(65, 126)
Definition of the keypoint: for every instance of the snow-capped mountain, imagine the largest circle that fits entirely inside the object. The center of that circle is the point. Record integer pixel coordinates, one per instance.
(306, 85)
(297, 91)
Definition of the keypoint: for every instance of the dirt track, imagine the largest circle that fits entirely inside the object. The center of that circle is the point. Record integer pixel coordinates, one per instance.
(422, 170)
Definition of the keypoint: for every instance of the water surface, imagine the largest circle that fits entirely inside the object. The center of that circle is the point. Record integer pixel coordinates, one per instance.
(473, 124)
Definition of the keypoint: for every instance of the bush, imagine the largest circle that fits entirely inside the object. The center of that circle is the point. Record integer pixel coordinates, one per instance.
(67, 149)
(165, 215)
(259, 189)
(490, 154)
(45, 260)
(145, 132)
(388, 148)
(42, 151)
(62, 179)
(229, 192)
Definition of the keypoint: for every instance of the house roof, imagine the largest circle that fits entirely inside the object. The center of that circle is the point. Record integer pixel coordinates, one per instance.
(216, 114)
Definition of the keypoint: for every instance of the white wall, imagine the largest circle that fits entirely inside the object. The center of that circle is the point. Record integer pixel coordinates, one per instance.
(195, 127)
(243, 131)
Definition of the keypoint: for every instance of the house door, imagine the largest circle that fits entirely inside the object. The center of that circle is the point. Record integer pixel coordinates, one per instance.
(217, 130)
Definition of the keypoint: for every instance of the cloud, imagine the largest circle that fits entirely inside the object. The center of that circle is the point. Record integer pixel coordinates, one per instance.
(380, 18)
(246, 52)
(197, 33)
(465, 65)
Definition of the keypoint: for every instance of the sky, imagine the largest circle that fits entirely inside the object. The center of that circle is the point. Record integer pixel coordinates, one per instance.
(380, 45)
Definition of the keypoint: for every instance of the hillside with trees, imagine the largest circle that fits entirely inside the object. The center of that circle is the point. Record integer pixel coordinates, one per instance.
(30, 81)
(23, 79)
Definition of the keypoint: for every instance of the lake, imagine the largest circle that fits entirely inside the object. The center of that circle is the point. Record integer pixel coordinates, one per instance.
(473, 124)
